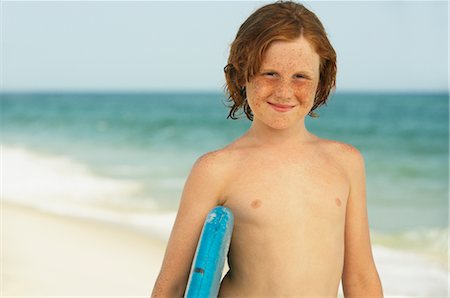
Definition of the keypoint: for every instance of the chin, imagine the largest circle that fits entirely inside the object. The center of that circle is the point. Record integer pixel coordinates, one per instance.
(278, 124)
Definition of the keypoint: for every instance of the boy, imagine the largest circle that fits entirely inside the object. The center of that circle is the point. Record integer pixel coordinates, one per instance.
(298, 200)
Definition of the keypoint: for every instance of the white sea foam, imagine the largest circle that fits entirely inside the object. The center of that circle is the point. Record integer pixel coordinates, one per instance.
(429, 241)
(32, 178)
(409, 274)
(60, 185)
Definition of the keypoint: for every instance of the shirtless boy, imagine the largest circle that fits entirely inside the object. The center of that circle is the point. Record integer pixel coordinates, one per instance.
(299, 201)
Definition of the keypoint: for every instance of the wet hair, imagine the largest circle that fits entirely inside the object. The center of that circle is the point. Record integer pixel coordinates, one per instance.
(279, 21)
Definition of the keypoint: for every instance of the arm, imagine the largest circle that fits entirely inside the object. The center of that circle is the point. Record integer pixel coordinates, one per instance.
(360, 277)
(200, 194)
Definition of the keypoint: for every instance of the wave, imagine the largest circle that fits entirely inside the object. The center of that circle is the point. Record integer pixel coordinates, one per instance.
(32, 178)
(61, 185)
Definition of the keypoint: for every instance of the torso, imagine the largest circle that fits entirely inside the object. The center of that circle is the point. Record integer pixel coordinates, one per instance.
(289, 210)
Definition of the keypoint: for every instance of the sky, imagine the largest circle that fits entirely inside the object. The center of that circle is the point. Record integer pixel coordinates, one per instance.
(183, 46)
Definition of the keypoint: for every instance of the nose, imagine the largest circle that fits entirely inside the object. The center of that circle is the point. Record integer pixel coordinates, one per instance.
(284, 90)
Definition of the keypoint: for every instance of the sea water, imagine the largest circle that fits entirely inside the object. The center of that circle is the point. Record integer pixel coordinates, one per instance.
(124, 157)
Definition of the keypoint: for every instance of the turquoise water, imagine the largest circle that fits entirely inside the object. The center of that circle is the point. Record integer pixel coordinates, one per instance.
(154, 138)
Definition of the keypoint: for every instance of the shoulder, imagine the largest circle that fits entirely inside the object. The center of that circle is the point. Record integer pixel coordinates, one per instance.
(208, 177)
(341, 149)
(351, 162)
(348, 151)
(217, 159)
(225, 158)
(213, 165)
(348, 156)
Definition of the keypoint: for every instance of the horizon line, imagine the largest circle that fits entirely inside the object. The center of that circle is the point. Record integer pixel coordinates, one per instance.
(206, 91)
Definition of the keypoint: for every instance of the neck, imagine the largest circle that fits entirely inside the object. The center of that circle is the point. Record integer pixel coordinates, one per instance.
(268, 136)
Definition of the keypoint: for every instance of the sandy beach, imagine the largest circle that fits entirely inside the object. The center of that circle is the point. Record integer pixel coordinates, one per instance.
(45, 254)
(51, 255)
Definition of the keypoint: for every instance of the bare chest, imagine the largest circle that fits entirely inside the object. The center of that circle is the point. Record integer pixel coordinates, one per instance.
(287, 191)
(289, 224)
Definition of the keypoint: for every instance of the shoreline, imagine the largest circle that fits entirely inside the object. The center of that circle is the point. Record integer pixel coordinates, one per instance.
(46, 254)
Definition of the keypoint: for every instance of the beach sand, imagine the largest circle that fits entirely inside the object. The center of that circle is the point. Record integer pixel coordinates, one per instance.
(51, 255)
(45, 254)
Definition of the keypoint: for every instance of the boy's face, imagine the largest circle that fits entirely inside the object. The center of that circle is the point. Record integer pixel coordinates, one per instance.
(282, 93)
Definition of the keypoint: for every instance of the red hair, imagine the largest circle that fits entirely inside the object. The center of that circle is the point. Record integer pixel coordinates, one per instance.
(283, 20)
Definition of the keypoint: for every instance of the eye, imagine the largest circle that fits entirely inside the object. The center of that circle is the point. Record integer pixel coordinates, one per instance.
(301, 76)
(269, 74)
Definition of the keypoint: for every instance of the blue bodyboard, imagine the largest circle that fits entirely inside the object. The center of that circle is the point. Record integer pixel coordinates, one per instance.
(212, 249)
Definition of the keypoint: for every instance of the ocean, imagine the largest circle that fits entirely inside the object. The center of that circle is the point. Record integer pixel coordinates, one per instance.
(124, 158)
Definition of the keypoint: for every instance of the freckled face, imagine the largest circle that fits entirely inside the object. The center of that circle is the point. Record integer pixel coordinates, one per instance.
(282, 93)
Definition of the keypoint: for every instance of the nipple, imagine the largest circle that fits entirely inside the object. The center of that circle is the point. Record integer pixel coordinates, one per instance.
(338, 202)
(256, 204)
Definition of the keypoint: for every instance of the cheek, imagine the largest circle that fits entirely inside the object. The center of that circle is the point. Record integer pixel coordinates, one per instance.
(257, 93)
(261, 89)
(305, 92)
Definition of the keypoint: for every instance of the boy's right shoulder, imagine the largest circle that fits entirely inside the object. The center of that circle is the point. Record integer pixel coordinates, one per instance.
(217, 160)
(214, 170)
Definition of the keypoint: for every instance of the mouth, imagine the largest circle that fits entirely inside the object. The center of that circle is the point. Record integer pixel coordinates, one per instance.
(280, 107)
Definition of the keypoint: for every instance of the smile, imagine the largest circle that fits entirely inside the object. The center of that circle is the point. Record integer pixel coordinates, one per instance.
(281, 108)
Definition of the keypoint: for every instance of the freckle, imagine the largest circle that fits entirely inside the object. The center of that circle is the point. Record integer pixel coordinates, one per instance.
(256, 203)
(338, 201)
